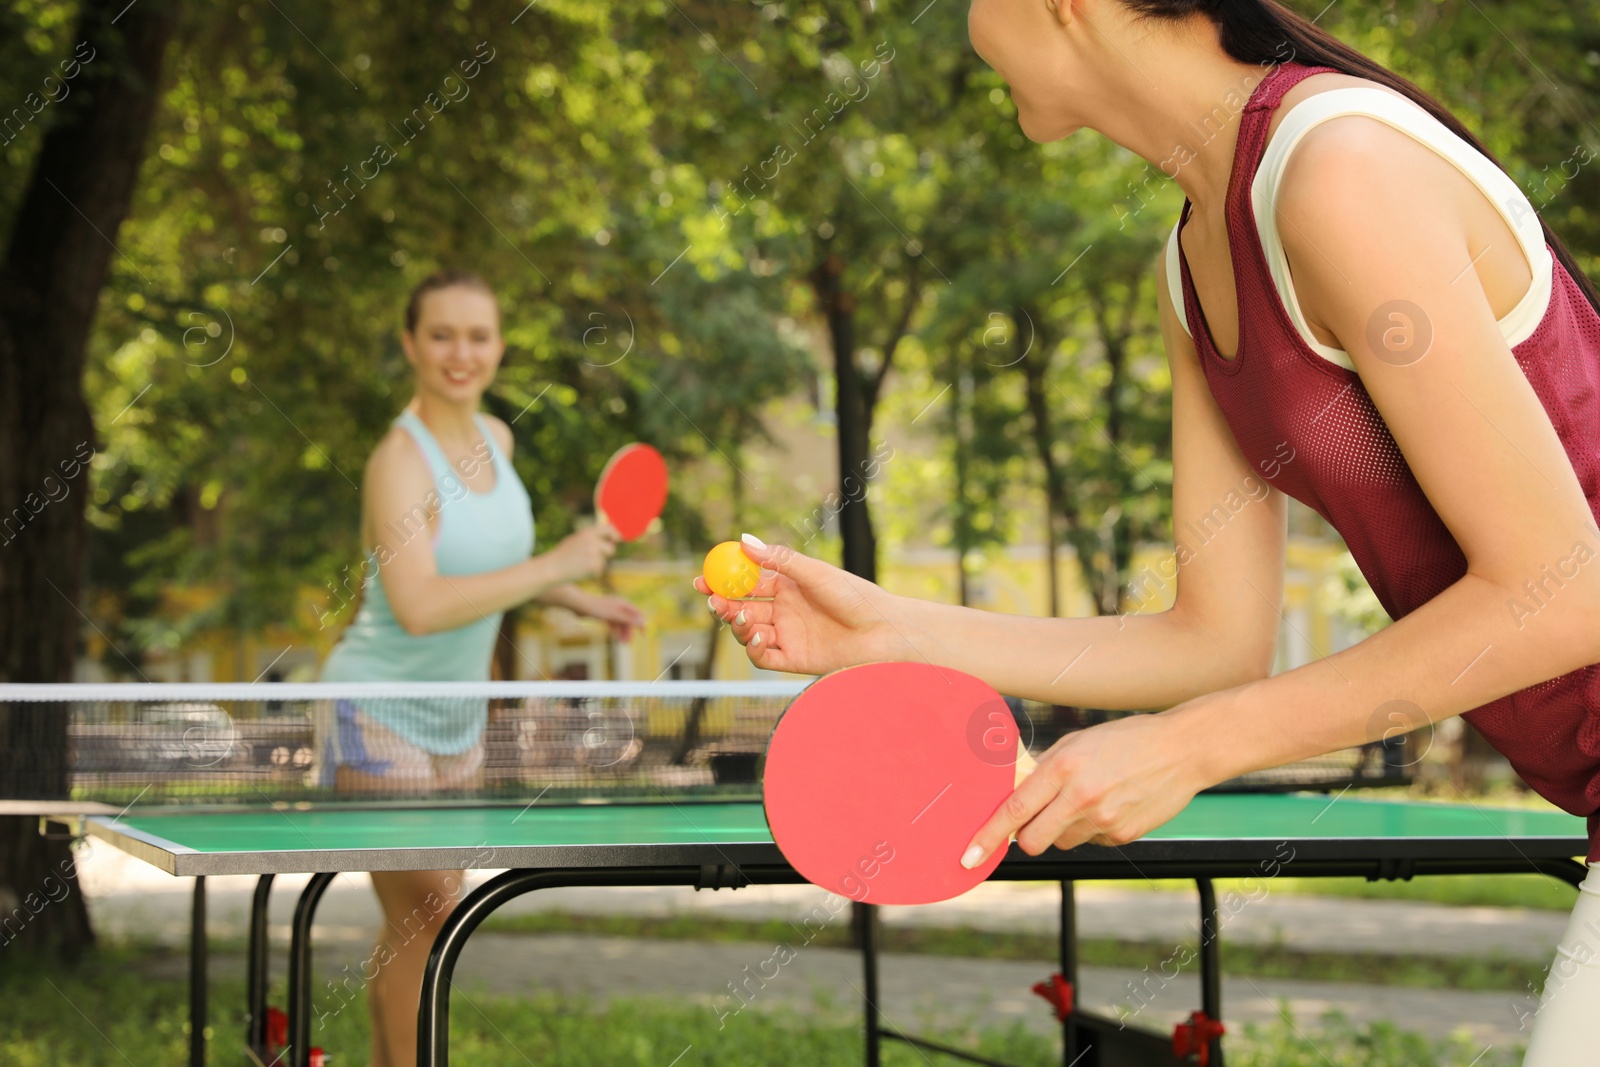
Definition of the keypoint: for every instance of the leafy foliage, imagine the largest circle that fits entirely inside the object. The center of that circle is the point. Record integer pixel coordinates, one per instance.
(650, 187)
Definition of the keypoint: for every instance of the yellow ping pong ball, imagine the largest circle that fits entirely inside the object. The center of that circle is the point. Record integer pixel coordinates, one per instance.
(729, 572)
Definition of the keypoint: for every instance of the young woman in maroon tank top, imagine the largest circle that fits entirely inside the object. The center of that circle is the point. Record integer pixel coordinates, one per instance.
(1462, 468)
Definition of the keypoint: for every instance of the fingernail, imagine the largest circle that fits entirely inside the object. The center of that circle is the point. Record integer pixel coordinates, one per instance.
(752, 540)
(739, 618)
(756, 640)
(972, 857)
(711, 605)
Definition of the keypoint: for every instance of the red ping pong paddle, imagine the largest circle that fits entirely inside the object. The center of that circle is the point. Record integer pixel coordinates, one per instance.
(632, 490)
(877, 777)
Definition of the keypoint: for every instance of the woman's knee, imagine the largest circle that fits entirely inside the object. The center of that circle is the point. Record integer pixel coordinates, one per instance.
(416, 902)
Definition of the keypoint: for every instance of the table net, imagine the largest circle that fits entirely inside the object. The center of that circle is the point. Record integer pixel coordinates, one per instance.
(276, 743)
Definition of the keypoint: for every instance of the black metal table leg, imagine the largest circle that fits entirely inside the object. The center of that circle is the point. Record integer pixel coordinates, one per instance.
(866, 917)
(1570, 871)
(300, 970)
(1068, 934)
(255, 1037)
(433, 1007)
(1210, 962)
(198, 975)
(869, 926)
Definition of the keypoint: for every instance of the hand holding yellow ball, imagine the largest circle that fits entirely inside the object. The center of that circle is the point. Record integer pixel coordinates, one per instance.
(729, 572)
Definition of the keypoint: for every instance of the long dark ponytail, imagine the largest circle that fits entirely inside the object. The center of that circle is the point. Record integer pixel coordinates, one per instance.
(1266, 32)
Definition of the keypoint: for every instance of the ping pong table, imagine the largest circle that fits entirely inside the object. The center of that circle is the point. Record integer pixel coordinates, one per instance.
(717, 845)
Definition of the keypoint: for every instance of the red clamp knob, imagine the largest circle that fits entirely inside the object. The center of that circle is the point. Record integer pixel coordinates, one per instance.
(277, 1030)
(1058, 991)
(319, 1058)
(1194, 1037)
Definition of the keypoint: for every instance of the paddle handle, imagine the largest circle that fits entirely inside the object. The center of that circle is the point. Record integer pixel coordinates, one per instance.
(1025, 767)
(1025, 763)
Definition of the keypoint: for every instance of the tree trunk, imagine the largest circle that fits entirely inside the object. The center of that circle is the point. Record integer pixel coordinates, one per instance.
(694, 721)
(1052, 560)
(962, 521)
(1119, 550)
(853, 422)
(50, 281)
(1034, 369)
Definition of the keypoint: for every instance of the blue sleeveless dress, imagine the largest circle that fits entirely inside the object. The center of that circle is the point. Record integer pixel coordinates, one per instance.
(477, 532)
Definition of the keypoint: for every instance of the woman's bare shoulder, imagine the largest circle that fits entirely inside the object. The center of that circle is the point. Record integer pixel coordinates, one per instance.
(397, 460)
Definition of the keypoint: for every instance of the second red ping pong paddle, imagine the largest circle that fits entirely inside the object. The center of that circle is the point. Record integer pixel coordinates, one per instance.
(632, 490)
(877, 777)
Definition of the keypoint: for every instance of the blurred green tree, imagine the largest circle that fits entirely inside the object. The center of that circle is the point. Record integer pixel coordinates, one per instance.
(87, 85)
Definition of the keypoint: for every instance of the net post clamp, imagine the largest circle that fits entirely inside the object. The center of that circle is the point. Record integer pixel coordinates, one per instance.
(1394, 869)
(720, 876)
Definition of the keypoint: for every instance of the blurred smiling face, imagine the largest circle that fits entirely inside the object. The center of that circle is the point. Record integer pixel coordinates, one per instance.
(456, 347)
(1022, 41)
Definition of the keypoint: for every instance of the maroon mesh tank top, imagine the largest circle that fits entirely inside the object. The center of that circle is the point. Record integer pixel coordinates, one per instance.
(1277, 391)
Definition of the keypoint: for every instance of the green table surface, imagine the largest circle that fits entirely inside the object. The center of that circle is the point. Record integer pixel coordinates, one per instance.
(1208, 817)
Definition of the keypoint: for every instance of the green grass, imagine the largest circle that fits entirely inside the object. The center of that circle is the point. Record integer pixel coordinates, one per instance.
(1338, 1043)
(1257, 961)
(123, 1006)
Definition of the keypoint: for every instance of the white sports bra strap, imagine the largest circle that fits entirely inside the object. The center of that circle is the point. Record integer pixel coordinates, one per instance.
(1412, 120)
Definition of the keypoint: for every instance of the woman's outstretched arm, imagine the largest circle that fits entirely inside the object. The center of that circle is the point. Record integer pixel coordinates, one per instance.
(1219, 633)
(397, 489)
